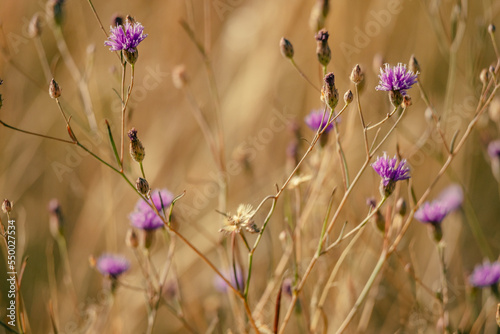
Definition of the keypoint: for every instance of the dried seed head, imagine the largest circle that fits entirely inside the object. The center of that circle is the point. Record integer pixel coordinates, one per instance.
(414, 66)
(142, 186)
(357, 75)
(54, 89)
(322, 49)
(137, 151)
(179, 76)
(406, 101)
(55, 218)
(6, 206)
(131, 240)
(286, 48)
(35, 26)
(484, 76)
(348, 97)
(492, 28)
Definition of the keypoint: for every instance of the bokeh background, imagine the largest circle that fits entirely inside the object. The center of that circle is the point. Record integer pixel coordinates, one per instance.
(256, 86)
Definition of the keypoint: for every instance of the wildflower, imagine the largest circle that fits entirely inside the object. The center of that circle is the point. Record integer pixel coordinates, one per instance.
(396, 81)
(433, 213)
(147, 220)
(390, 171)
(162, 198)
(126, 37)
(452, 197)
(487, 274)
(317, 119)
(286, 48)
(112, 265)
(242, 219)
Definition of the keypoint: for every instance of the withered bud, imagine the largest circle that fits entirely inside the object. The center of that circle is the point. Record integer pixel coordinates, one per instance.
(492, 28)
(54, 89)
(137, 151)
(357, 75)
(414, 66)
(55, 11)
(179, 76)
(401, 206)
(395, 97)
(35, 26)
(329, 93)
(131, 240)
(6, 206)
(116, 20)
(142, 186)
(286, 48)
(406, 101)
(322, 49)
(484, 76)
(348, 97)
(55, 218)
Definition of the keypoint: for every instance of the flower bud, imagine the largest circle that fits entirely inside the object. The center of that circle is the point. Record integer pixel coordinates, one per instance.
(357, 75)
(137, 151)
(131, 240)
(484, 76)
(6, 206)
(286, 48)
(414, 66)
(54, 89)
(142, 186)
(322, 49)
(329, 93)
(492, 28)
(35, 26)
(179, 76)
(55, 218)
(55, 11)
(348, 97)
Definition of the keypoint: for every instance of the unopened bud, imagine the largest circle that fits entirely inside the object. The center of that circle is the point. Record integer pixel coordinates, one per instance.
(179, 76)
(35, 26)
(357, 75)
(348, 97)
(131, 239)
(414, 66)
(329, 93)
(492, 28)
(6, 206)
(322, 49)
(54, 89)
(55, 218)
(484, 76)
(55, 11)
(286, 48)
(142, 186)
(137, 151)
(401, 206)
(406, 101)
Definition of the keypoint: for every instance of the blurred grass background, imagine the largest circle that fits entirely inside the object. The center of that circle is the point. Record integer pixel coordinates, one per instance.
(255, 84)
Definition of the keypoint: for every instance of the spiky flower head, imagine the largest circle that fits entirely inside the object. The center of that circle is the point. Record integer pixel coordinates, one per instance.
(432, 212)
(390, 171)
(144, 217)
(126, 37)
(317, 119)
(487, 274)
(242, 219)
(112, 265)
(396, 79)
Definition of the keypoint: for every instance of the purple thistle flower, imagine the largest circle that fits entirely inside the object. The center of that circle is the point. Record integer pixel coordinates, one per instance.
(432, 212)
(126, 37)
(112, 265)
(221, 285)
(144, 217)
(487, 274)
(316, 120)
(452, 197)
(390, 171)
(396, 79)
(494, 149)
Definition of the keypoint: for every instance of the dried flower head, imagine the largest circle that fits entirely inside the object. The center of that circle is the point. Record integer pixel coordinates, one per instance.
(286, 48)
(487, 274)
(318, 119)
(357, 74)
(242, 219)
(491, 28)
(396, 78)
(112, 265)
(142, 186)
(390, 171)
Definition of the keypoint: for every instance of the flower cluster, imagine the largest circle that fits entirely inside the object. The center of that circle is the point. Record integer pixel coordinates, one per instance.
(487, 274)
(390, 171)
(144, 217)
